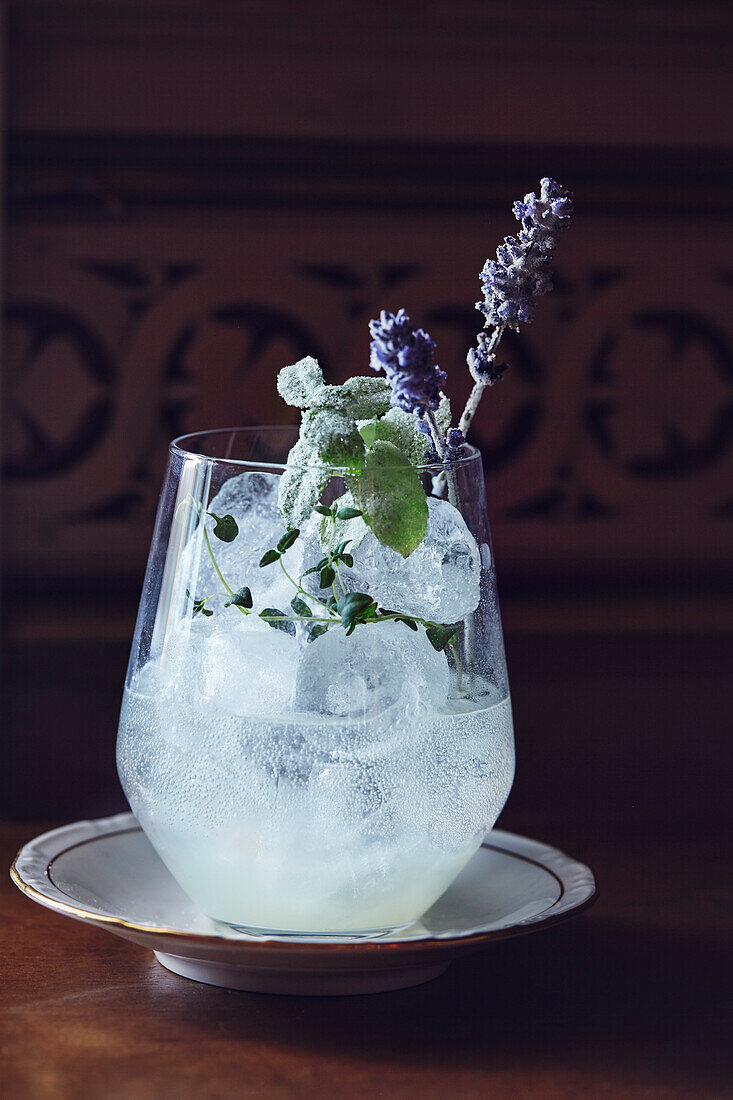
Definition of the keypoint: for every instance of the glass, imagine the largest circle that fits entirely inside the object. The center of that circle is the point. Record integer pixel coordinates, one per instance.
(295, 778)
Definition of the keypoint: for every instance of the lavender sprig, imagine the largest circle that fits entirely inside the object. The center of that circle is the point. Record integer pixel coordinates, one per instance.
(520, 274)
(405, 354)
(521, 271)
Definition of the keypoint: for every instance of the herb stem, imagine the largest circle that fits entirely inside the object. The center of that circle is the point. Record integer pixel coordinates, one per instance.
(294, 619)
(299, 587)
(438, 441)
(459, 666)
(479, 386)
(214, 561)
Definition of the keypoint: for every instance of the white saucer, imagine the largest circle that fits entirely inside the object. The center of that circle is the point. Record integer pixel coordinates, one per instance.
(106, 872)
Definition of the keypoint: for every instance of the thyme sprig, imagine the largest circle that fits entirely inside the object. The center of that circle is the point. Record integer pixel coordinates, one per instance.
(341, 608)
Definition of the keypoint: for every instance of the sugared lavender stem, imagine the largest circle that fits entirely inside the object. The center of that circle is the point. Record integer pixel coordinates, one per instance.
(435, 435)
(520, 273)
(481, 363)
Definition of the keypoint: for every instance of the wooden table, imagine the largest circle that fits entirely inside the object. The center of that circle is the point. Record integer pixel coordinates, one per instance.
(631, 999)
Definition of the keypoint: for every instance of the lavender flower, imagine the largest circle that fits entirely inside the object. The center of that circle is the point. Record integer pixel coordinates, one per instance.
(454, 444)
(406, 356)
(519, 274)
(521, 271)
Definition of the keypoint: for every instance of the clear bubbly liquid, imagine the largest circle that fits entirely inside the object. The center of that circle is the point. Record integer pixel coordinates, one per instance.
(312, 824)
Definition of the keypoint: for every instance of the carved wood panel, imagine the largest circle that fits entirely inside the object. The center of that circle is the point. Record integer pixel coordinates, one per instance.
(609, 446)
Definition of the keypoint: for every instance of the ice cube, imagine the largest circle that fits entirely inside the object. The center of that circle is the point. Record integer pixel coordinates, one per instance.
(379, 666)
(251, 498)
(440, 580)
(232, 664)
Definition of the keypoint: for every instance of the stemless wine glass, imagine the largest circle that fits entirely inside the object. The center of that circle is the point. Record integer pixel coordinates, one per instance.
(299, 773)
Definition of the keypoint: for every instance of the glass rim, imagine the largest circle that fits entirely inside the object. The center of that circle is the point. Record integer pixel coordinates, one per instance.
(181, 446)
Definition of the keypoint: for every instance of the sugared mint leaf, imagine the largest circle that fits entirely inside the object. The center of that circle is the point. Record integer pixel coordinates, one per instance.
(392, 498)
(300, 383)
(361, 397)
(225, 528)
(301, 483)
(400, 428)
(334, 436)
(368, 431)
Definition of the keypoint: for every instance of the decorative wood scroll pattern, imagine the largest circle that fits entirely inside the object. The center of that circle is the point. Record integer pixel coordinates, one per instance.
(608, 447)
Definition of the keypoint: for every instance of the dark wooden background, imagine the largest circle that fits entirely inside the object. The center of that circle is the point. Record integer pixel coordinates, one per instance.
(198, 193)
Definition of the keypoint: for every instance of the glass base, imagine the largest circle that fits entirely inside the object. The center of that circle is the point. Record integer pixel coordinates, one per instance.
(313, 936)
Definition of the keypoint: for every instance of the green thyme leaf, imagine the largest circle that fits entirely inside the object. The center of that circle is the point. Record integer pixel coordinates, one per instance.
(199, 605)
(337, 529)
(327, 576)
(205, 611)
(269, 557)
(439, 636)
(347, 559)
(322, 510)
(225, 528)
(300, 607)
(276, 619)
(288, 539)
(315, 630)
(352, 607)
(241, 598)
(316, 568)
(348, 513)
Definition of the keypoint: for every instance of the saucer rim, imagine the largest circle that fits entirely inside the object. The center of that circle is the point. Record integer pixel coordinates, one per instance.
(30, 872)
